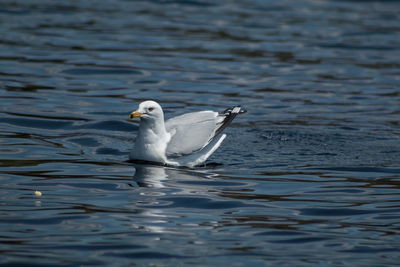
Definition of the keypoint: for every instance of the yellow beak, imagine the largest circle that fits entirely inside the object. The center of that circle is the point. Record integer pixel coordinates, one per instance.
(135, 114)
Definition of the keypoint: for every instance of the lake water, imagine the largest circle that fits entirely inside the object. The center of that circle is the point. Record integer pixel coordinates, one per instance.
(309, 176)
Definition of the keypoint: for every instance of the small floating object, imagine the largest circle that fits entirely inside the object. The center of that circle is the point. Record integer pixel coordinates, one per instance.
(38, 193)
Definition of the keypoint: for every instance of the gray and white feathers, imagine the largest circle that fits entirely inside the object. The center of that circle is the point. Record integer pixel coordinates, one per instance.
(186, 140)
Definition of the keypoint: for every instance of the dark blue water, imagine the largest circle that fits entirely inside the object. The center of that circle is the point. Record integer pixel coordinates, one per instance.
(309, 176)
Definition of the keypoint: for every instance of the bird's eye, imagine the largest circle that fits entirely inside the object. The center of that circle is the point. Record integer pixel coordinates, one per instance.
(150, 109)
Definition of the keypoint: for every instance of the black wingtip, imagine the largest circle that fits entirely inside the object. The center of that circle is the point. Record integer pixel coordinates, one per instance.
(230, 114)
(233, 110)
(242, 111)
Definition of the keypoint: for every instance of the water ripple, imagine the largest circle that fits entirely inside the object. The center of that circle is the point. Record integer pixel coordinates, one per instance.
(309, 175)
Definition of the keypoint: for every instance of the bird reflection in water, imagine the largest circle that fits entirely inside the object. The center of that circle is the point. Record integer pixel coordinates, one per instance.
(147, 175)
(158, 176)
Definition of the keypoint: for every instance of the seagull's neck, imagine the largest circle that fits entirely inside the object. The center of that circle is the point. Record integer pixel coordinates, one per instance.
(152, 127)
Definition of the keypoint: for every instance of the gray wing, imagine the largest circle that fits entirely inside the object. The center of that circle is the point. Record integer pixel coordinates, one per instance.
(193, 131)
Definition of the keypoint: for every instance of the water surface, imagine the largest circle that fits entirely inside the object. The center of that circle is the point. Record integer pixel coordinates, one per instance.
(309, 176)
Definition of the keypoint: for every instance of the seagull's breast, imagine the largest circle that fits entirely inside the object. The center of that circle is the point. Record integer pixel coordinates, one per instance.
(150, 146)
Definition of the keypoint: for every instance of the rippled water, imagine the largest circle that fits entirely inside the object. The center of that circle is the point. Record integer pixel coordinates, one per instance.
(309, 176)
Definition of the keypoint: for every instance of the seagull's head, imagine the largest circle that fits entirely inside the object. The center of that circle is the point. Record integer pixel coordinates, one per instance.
(148, 110)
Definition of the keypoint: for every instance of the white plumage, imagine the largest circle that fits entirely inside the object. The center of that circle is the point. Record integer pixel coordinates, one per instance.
(186, 140)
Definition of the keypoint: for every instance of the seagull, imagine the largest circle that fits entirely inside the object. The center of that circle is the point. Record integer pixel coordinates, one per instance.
(186, 140)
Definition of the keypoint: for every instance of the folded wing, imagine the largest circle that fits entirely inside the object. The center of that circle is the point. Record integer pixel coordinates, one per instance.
(191, 132)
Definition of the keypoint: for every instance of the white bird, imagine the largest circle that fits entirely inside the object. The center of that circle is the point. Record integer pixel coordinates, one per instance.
(186, 140)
